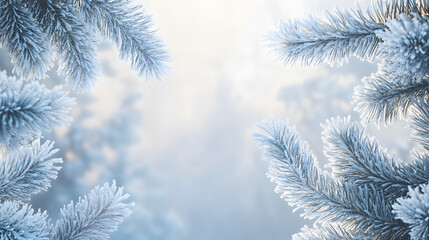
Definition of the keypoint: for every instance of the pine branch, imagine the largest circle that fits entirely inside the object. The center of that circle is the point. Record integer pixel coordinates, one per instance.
(419, 122)
(420, 167)
(94, 215)
(356, 158)
(24, 40)
(313, 41)
(339, 34)
(383, 11)
(131, 30)
(74, 42)
(27, 110)
(405, 47)
(28, 171)
(303, 185)
(327, 232)
(384, 99)
(19, 221)
(415, 211)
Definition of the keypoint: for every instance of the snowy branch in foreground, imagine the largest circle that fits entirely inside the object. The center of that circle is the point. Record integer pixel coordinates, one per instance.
(303, 185)
(93, 216)
(384, 99)
(328, 231)
(28, 171)
(414, 211)
(131, 29)
(27, 109)
(19, 221)
(339, 34)
(25, 42)
(72, 26)
(75, 44)
(359, 159)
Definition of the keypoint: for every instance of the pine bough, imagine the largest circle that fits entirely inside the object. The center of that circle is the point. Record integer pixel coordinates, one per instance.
(30, 29)
(28, 167)
(369, 194)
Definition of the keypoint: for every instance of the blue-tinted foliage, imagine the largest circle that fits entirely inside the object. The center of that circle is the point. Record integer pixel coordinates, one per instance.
(415, 211)
(94, 216)
(304, 186)
(26, 26)
(359, 159)
(74, 42)
(19, 221)
(26, 43)
(394, 32)
(28, 171)
(327, 231)
(127, 25)
(27, 109)
(370, 194)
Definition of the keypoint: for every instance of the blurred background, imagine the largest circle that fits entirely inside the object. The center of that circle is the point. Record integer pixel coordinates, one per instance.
(183, 147)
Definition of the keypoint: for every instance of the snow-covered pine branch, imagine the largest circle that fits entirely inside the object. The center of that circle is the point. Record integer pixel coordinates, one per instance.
(396, 32)
(419, 121)
(402, 76)
(313, 41)
(303, 185)
(414, 210)
(384, 99)
(131, 29)
(93, 216)
(28, 171)
(339, 34)
(25, 42)
(359, 159)
(365, 177)
(27, 24)
(74, 42)
(327, 231)
(19, 221)
(28, 109)
(405, 48)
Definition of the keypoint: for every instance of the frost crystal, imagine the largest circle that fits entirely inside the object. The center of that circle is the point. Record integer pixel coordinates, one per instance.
(415, 211)
(405, 47)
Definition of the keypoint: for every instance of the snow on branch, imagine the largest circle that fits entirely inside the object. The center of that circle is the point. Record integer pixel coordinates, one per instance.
(339, 34)
(75, 44)
(313, 41)
(303, 185)
(28, 171)
(25, 42)
(27, 25)
(131, 29)
(405, 47)
(359, 159)
(327, 231)
(419, 121)
(19, 221)
(93, 216)
(385, 99)
(26, 110)
(414, 210)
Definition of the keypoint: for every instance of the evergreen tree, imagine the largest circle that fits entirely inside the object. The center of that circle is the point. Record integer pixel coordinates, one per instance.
(368, 194)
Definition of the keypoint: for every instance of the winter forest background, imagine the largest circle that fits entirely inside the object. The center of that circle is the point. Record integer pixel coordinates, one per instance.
(183, 147)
